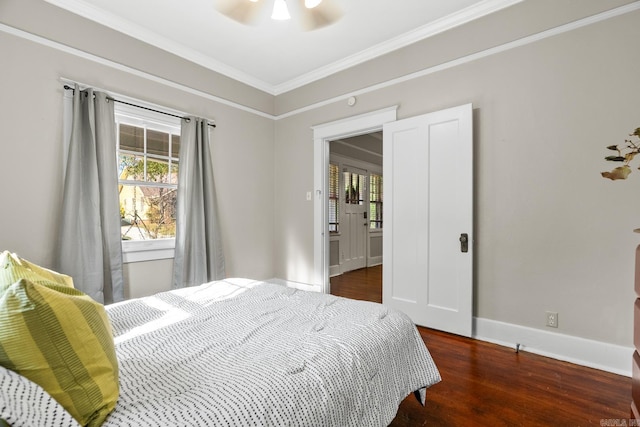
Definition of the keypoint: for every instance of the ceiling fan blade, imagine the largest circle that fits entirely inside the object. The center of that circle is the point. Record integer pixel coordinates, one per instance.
(242, 11)
(326, 13)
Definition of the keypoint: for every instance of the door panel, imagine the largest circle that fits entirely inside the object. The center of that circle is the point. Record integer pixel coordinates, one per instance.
(408, 219)
(444, 235)
(428, 164)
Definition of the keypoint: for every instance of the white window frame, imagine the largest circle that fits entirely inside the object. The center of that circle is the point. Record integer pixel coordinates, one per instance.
(338, 199)
(378, 173)
(157, 249)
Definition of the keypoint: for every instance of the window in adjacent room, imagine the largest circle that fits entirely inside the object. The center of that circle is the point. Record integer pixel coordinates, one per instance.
(354, 185)
(148, 150)
(334, 198)
(375, 201)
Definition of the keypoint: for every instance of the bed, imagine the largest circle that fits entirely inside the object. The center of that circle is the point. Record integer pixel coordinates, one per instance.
(240, 352)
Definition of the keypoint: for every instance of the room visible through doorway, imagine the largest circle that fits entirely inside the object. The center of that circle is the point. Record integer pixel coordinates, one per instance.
(355, 202)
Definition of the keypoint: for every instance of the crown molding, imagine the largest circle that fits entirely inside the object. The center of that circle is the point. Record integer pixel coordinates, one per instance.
(438, 26)
(117, 23)
(603, 16)
(124, 26)
(631, 7)
(124, 68)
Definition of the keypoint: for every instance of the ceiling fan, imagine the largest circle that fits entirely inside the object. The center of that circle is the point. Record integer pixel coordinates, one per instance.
(309, 14)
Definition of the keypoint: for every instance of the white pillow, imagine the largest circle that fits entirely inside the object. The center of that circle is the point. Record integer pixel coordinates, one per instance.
(25, 404)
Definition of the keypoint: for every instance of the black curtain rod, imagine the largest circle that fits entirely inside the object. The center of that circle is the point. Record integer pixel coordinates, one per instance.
(67, 87)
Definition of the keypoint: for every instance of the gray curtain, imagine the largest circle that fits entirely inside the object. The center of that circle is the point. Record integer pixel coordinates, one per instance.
(198, 255)
(90, 244)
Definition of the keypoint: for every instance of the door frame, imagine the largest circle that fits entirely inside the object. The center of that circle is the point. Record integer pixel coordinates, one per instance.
(322, 134)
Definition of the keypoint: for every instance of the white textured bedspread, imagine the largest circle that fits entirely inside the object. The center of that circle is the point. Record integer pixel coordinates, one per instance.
(245, 353)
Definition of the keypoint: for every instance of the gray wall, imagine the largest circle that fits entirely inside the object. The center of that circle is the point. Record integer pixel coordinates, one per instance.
(551, 234)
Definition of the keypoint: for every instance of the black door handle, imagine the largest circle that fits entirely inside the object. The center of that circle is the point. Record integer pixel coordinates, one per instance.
(464, 242)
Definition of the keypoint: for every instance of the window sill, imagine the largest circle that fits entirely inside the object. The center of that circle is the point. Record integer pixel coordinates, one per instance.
(147, 250)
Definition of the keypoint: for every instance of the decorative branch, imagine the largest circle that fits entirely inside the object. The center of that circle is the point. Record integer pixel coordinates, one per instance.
(625, 154)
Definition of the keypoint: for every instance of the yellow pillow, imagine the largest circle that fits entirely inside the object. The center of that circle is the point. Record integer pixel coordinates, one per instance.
(61, 339)
(54, 276)
(14, 268)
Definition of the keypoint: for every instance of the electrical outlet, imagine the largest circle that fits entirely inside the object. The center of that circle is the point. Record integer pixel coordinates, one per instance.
(552, 319)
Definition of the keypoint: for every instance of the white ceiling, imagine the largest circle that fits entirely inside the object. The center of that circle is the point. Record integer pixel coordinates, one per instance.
(277, 56)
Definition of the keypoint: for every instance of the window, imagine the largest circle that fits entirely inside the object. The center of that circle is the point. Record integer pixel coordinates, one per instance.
(148, 153)
(375, 201)
(334, 198)
(354, 188)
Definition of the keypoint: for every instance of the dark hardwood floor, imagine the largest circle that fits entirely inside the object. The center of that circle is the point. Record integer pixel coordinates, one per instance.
(485, 384)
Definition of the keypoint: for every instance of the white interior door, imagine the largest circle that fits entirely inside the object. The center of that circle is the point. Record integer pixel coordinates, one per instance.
(428, 209)
(354, 240)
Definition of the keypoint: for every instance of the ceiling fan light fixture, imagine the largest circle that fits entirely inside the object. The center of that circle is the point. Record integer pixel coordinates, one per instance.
(310, 4)
(280, 11)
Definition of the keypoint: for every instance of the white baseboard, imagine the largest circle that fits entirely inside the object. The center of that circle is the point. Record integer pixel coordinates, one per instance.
(374, 260)
(581, 351)
(594, 354)
(334, 270)
(295, 285)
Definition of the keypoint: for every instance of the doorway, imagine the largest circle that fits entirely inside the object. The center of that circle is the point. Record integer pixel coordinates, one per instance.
(355, 216)
(322, 135)
(355, 203)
